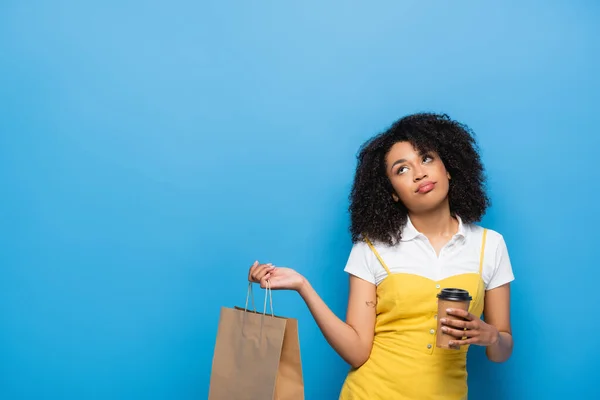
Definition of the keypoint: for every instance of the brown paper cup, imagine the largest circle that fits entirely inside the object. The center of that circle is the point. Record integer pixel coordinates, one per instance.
(450, 298)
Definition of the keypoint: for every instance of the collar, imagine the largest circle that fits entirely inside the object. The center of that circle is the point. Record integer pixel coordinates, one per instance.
(409, 232)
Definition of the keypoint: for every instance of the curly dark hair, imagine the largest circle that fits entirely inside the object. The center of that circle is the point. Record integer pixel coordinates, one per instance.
(374, 214)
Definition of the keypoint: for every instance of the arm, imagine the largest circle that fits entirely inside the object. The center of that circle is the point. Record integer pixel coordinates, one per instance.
(497, 314)
(494, 331)
(352, 339)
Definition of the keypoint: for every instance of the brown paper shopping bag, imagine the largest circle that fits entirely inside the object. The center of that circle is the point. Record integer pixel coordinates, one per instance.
(256, 356)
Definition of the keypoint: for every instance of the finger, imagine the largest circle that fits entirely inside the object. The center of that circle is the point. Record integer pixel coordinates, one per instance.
(460, 313)
(264, 280)
(260, 272)
(472, 340)
(252, 268)
(269, 281)
(457, 323)
(257, 273)
(459, 333)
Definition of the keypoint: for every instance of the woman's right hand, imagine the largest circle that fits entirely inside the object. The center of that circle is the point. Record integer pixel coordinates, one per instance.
(352, 340)
(279, 278)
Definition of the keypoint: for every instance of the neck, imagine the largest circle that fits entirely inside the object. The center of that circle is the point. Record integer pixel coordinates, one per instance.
(435, 223)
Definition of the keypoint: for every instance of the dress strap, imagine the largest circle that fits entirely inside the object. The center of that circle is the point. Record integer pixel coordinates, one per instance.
(482, 250)
(378, 256)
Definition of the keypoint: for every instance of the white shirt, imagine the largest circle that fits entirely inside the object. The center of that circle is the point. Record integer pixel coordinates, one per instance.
(414, 254)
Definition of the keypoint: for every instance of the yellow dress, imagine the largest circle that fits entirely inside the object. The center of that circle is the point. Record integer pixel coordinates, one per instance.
(405, 362)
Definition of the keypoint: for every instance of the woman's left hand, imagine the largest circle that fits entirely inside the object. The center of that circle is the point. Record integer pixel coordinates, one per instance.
(470, 330)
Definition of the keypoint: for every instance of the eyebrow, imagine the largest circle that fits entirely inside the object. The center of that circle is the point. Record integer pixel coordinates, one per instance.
(400, 161)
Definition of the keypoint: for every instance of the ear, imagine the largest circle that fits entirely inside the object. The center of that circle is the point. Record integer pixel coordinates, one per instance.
(395, 197)
(448, 175)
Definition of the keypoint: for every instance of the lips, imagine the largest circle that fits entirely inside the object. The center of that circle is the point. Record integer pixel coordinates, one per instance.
(426, 187)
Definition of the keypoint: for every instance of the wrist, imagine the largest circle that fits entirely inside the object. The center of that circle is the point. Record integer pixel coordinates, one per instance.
(303, 287)
(495, 336)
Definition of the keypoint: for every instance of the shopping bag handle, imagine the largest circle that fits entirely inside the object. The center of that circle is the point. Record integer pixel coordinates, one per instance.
(268, 293)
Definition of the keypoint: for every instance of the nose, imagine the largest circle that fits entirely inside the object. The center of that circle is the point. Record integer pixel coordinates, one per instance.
(419, 174)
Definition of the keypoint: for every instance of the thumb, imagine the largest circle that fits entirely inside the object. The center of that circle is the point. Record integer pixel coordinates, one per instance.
(263, 281)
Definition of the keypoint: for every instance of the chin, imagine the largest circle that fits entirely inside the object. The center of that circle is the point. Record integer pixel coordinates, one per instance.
(429, 205)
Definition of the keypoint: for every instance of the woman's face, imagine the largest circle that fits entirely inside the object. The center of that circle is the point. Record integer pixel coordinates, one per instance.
(420, 180)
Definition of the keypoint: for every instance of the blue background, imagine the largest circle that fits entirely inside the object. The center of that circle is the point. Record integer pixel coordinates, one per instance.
(151, 151)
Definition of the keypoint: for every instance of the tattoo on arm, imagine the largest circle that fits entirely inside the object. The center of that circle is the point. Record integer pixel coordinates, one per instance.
(370, 304)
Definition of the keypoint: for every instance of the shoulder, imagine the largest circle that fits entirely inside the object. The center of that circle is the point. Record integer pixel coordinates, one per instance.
(364, 263)
(359, 248)
(494, 250)
(493, 238)
(368, 247)
(359, 262)
(497, 268)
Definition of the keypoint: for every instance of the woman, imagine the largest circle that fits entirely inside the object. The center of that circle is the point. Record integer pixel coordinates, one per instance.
(417, 192)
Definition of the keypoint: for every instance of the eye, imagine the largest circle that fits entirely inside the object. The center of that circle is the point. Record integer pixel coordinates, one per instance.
(427, 159)
(401, 170)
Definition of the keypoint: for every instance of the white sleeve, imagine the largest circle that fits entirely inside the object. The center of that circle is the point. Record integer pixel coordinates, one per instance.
(359, 262)
(503, 272)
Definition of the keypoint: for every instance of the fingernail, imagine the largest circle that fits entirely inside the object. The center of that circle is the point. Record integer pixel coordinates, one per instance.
(449, 310)
(443, 320)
